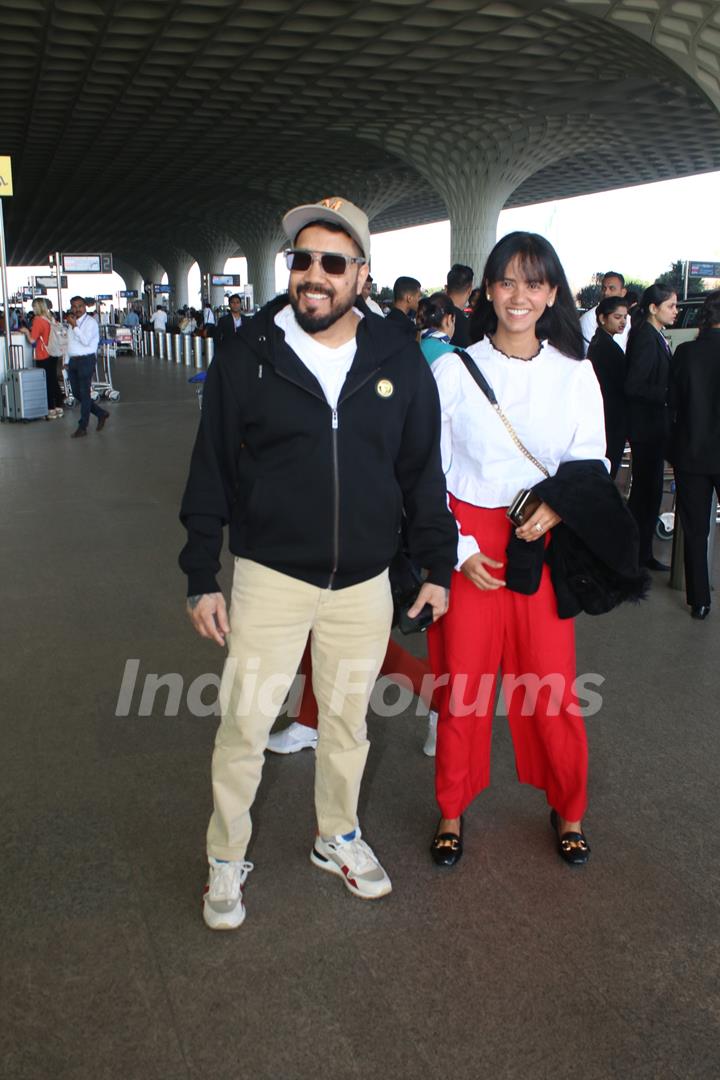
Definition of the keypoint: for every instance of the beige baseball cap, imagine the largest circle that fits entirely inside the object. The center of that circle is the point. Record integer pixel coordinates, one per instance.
(335, 209)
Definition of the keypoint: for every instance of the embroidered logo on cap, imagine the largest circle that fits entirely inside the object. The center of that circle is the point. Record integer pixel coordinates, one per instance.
(384, 388)
(331, 204)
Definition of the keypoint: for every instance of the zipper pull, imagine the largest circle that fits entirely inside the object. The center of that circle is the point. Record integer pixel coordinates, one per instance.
(334, 420)
(260, 367)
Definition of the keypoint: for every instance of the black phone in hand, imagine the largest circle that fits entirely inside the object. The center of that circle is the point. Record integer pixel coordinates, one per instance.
(419, 624)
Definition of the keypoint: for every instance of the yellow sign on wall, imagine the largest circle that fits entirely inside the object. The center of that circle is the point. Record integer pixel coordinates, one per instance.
(5, 177)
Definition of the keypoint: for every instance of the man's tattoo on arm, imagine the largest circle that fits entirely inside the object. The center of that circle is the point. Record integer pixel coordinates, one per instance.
(193, 601)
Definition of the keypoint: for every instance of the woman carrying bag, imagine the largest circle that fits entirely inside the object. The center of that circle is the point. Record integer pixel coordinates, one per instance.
(39, 335)
(522, 405)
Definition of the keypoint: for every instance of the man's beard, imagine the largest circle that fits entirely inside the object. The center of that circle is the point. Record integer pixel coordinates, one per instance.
(315, 324)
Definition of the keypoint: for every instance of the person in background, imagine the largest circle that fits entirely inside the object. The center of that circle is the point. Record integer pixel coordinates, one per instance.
(608, 360)
(406, 297)
(646, 391)
(695, 446)
(613, 284)
(131, 318)
(472, 301)
(159, 320)
(83, 340)
(229, 325)
(366, 294)
(39, 335)
(188, 322)
(436, 322)
(208, 318)
(458, 287)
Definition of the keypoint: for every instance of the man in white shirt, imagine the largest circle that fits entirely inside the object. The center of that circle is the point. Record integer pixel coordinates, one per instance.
(159, 320)
(83, 340)
(613, 284)
(208, 314)
(319, 428)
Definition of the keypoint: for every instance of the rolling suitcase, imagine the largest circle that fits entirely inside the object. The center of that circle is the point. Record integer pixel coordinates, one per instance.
(24, 395)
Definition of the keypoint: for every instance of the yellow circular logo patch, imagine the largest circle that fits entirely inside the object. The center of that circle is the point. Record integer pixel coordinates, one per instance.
(384, 388)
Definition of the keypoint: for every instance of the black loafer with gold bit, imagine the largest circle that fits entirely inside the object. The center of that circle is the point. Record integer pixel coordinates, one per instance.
(447, 848)
(573, 847)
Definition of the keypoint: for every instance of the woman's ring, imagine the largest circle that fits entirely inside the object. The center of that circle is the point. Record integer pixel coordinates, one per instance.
(538, 526)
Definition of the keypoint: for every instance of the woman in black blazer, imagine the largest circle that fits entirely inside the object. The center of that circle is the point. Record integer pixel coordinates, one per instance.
(646, 389)
(695, 446)
(608, 360)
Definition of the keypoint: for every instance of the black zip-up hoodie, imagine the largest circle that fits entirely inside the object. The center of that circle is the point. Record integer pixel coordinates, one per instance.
(313, 492)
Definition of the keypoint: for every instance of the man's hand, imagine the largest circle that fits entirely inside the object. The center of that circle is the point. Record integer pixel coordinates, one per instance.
(71, 320)
(434, 595)
(536, 526)
(475, 570)
(208, 615)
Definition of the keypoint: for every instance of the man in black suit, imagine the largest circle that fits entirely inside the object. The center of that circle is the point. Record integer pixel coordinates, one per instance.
(695, 446)
(459, 286)
(229, 324)
(406, 297)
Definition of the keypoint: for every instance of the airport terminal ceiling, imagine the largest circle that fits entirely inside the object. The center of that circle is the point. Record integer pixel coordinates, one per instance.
(152, 126)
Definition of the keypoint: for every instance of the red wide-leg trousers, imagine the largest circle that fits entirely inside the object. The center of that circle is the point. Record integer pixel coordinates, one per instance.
(486, 631)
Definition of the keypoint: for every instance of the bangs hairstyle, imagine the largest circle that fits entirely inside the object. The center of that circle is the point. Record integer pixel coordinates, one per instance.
(559, 324)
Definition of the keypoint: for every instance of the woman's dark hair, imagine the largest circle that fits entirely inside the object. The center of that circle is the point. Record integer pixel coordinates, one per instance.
(654, 294)
(558, 324)
(710, 312)
(433, 309)
(609, 304)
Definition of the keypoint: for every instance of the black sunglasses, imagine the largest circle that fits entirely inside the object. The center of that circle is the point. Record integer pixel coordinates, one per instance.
(333, 264)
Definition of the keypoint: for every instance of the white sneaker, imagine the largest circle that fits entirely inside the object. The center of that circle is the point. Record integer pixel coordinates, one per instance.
(431, 739)
(293, 738)
(355, 862)
(223, 907)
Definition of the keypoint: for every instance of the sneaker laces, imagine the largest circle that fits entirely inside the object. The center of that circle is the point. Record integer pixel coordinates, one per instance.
(227, 879)
(360, 855)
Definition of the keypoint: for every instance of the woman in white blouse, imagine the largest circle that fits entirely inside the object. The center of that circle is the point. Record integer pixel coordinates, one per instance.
(529, 348)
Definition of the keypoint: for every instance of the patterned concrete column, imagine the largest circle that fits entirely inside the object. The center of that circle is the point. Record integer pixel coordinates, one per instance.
(260, 250)
(178, 263)
(132, 277)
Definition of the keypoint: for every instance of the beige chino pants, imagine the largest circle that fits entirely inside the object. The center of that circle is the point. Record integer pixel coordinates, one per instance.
(271, 616)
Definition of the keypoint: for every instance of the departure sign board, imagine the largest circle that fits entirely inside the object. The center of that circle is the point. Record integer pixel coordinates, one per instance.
(87, 264)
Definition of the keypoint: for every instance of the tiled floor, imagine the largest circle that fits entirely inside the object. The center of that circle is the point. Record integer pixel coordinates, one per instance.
(513, 966)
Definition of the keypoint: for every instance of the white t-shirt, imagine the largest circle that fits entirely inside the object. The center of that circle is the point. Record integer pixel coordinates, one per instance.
(329, 366)
(374, 306)
(208, 316)
(553, 403)
(589, 324)
(159, 321)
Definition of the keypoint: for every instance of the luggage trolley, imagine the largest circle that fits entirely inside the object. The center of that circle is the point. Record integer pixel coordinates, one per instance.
(102, 384)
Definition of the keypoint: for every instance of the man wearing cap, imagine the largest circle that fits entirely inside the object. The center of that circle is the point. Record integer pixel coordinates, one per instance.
(320, 430)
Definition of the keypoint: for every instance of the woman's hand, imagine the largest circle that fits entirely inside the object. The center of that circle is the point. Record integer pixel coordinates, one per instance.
(541, 522)
(474, 570)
